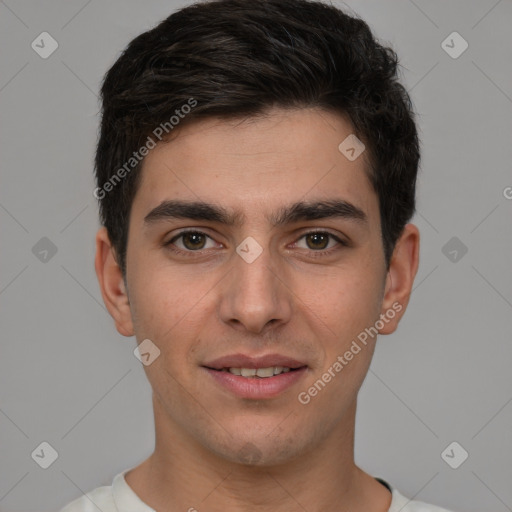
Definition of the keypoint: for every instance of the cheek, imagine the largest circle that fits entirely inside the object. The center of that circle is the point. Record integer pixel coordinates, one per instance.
(348, 345)
(348, 348)
(347, 301)
(161, 297)
(170, 310)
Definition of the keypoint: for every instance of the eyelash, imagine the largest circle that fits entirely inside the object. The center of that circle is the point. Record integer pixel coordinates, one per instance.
(315, 254)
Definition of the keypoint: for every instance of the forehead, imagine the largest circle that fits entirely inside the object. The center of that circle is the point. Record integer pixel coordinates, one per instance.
(257, 164)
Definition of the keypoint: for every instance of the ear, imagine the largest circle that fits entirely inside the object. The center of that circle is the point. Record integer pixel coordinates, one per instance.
(112, 284)
(400, 278)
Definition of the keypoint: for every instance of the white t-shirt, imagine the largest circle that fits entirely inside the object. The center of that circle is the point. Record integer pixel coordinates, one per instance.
(120, 497)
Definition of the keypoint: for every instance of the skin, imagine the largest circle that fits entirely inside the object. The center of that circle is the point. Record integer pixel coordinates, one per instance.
(209, 303)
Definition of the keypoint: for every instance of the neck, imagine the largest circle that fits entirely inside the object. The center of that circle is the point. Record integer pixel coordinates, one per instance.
(182, 475)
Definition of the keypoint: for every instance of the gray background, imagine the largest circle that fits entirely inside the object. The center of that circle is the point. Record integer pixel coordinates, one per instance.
(68, 378)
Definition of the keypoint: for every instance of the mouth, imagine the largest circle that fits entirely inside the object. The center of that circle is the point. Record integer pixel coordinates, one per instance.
(260, 373)
(256, 377)
(277, 362)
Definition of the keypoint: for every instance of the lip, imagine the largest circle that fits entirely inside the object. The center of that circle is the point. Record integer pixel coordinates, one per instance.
(245, 361)
(256, 388)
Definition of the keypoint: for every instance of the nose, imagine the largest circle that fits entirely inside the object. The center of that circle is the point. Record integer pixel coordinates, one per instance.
(255, 295)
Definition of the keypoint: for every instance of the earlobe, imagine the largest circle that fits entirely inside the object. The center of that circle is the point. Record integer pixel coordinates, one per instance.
(400, 278)
(112, 286)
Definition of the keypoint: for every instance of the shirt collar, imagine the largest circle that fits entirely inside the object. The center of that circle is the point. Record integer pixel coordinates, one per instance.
(126, 500)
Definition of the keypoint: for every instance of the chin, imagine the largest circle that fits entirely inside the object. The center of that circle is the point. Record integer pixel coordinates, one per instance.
(260, 450)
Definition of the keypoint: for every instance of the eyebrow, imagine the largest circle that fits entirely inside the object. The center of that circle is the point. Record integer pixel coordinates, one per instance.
(299, 211)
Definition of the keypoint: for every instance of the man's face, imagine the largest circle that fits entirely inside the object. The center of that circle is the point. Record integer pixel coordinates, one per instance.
(301, 302)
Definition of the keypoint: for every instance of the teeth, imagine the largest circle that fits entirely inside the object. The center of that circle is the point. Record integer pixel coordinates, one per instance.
(259, 372)
(265, 372)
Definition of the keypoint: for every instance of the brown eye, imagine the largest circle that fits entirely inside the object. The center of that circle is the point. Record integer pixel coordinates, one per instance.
(193, 241)
(318, 240)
